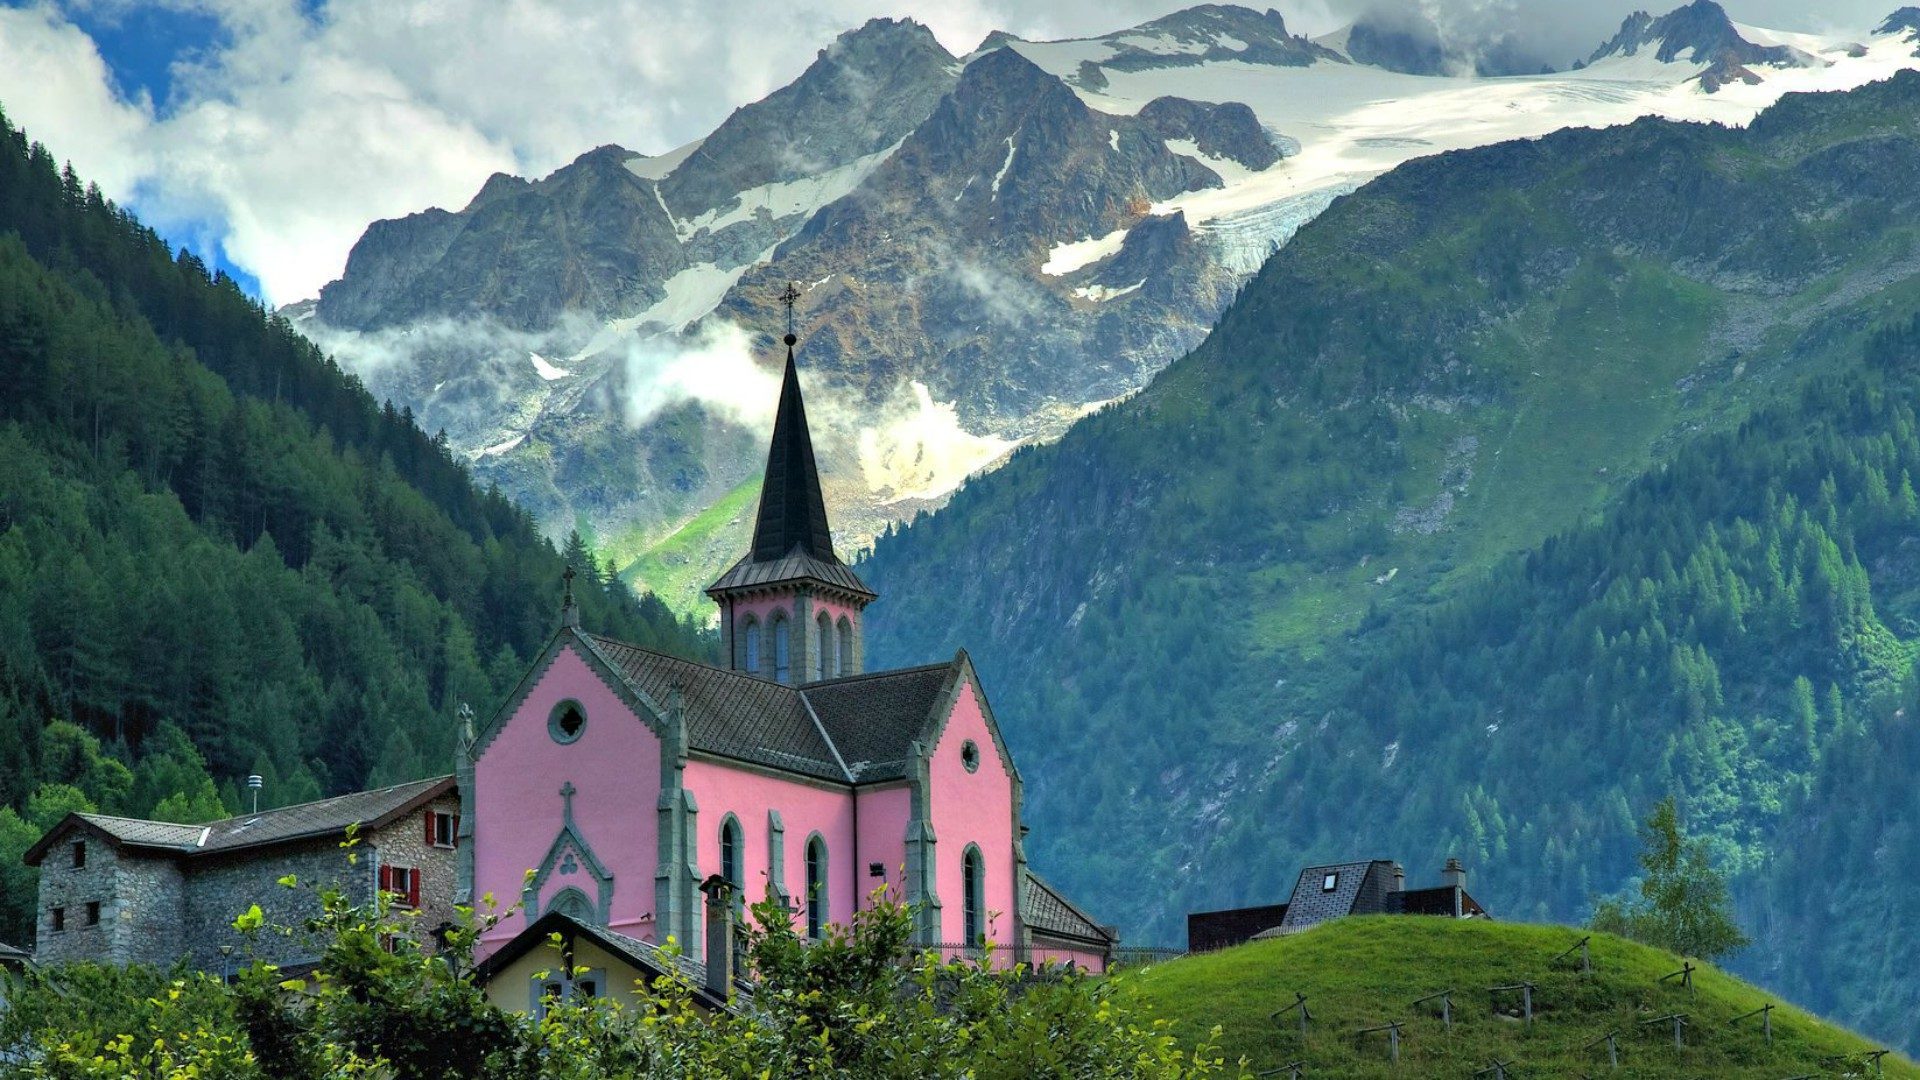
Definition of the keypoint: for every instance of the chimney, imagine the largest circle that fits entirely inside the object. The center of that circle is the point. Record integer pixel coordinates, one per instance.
(1454, 875)
(1399, 878)
(720, 935)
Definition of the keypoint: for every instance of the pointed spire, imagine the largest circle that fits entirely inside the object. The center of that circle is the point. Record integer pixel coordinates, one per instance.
(793, 512)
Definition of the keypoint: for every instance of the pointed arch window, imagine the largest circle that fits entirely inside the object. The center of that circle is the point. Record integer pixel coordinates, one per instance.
(782, 648)
(750, 646)
(816, 887)
(823, 664)
(733, 855)
(973, 886)
(845, 651)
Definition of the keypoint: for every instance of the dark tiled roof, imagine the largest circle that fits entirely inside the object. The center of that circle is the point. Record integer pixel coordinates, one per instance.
(367, 809)
(792, 511)
(866, 723)
(730, 713)
(142, 833)
(1046, 911)
(794, 566)
(791, 538)
(12, 955)
(1311, 903)
(326, 817)
(874, 719)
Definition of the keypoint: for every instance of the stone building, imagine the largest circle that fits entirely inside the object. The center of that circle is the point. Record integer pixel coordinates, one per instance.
(1375, 887)
(124, 890)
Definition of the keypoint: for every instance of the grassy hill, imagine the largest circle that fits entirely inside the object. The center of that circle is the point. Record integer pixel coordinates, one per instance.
(1363, 972)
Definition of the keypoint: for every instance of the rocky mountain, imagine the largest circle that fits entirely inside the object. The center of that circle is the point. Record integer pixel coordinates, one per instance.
(1524, 486)
(1702, 33)
(1906, 23)
(990, 246)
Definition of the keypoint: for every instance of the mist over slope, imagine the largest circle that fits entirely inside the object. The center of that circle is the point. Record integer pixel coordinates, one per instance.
(1526, 485)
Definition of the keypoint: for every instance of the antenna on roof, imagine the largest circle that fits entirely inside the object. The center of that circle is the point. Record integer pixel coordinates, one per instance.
(254, 784)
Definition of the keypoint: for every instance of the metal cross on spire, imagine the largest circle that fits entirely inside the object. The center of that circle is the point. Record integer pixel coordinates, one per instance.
(790, 296)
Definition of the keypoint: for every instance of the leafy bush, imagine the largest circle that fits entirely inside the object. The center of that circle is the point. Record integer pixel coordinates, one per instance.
(387, 1002)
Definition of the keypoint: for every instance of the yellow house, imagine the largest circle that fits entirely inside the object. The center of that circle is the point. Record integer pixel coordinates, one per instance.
(560, 958)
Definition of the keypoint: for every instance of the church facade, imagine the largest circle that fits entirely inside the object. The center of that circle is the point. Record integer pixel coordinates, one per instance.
(616, 779)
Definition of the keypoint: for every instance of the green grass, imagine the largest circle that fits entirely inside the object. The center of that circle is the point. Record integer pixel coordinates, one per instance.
(683, 562)
(1363, 972)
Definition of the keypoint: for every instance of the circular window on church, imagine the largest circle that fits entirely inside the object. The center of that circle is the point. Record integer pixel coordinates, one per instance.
(566, 722)
(970, 755)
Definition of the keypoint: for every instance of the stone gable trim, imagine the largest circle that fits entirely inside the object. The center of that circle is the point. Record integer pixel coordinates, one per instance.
(643, 706)
(964, 675)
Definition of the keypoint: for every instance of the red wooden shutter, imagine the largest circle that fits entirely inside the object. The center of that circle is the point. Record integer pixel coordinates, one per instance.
(386, 879)
(430, 837)
(413, 888)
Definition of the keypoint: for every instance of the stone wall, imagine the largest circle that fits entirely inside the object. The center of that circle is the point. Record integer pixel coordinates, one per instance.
(150, 909)
(404, 843)
(135, 892)
(220, 887)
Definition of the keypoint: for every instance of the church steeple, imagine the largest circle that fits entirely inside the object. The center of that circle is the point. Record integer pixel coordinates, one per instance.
(791, 610)
(793, 513)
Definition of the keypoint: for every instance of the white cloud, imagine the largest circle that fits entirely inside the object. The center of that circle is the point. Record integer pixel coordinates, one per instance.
(54, 84)
(302, 126)
(714, 367)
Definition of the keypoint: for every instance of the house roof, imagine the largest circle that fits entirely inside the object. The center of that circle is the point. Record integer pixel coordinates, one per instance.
(857, 729)
(791, 538)
(11, 956)
(1047, 911)
(644, 956)
(326, 817)
(1311, 902)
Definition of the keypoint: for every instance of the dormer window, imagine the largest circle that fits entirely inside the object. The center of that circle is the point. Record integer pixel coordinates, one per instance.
(1330, 882)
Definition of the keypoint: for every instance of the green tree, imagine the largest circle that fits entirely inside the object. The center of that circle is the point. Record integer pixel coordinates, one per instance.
(1683, 903)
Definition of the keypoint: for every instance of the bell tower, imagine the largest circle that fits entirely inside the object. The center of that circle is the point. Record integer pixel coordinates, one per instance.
(791, 610)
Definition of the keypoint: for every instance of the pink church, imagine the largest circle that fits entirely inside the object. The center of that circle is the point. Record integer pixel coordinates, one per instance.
(616, 779)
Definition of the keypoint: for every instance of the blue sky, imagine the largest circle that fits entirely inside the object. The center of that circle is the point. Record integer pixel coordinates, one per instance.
(267, 134)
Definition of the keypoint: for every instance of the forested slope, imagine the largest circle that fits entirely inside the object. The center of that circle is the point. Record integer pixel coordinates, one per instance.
(1526, 485)
(218, 555)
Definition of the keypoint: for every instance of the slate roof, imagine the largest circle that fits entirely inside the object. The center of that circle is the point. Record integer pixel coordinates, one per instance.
(791, 537)
(327, 817)
(730, 713)
(13, 957)
(854, 730)
(1311, 903)
(874, 719)
(1047, 912)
